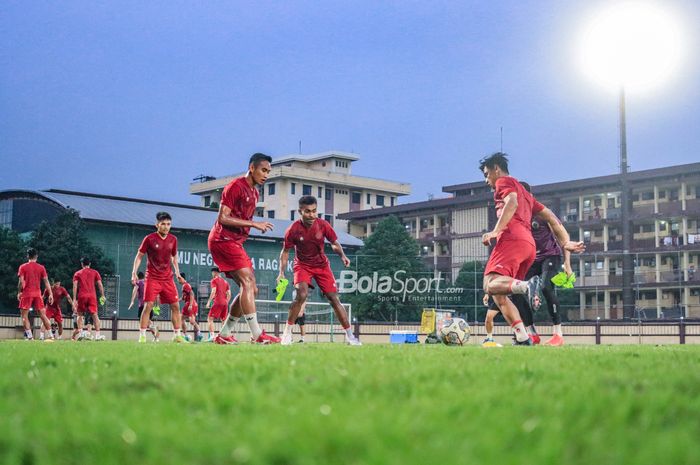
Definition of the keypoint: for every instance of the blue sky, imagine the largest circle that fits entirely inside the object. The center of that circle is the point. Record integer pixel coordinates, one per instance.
(137, 98)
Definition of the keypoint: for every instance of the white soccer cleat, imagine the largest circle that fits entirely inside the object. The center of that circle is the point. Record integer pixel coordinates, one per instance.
(100, 338)
(352, 341)
(286, 339)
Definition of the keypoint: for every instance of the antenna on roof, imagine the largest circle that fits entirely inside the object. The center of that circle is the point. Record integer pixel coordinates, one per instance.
(299, 147)
(204, 178)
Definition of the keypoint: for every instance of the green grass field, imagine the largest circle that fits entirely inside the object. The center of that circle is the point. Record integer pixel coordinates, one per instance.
(123, 403)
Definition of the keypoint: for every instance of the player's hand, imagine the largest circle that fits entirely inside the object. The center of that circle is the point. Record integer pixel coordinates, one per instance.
(180, 279)
(279, 277)
(485, 300)
(130, 305)
(346, 261)
(134, 279)
(263, 226)
(51, 299)
(575, 247)
(19, 296)
(486, 238)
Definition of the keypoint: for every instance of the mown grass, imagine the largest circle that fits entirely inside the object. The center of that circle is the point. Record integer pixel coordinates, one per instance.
(124, 403)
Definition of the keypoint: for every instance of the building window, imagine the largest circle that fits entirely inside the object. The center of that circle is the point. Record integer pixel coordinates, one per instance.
(662, 194)
(305, 189)
(6, 214)
(380, 200)
(328, 218)
(329, 194)
(393, 200)
(369, 199)
(648, 195)
(356, 197)
(207, 200)
(271, 189)
(611, 202)
(341, 164)
(320, 193)
(270, 213)
(294, 188)
(673, 194)
(291, 214)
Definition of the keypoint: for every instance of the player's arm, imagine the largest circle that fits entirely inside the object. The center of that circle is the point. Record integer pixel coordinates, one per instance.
(338, 249)
(47, 286)
(560, 232)
(101, 288)
(284, 259)
(211, 296)
(135, 269)
(68, 298)
(227, 219)
(134, 294)
(175, 261)
(75, 293)
(510, 205)
(567, 263)
(192, 299)
(20, 286)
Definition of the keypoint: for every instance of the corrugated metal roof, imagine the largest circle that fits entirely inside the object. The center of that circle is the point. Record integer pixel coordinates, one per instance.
(143, 212)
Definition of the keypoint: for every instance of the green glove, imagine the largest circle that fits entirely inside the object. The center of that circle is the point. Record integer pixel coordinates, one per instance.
(281, 288)
(156, 310)
(102, 300)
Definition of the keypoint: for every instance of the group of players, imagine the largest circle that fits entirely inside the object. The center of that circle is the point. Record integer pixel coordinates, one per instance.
(529, 242)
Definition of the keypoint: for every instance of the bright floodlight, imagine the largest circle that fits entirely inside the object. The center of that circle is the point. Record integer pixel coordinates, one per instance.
(635, 45)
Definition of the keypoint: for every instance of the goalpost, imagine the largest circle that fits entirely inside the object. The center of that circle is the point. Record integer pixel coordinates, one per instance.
(320, 318)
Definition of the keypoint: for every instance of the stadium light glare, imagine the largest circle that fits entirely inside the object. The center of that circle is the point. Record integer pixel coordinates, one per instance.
(635, 45)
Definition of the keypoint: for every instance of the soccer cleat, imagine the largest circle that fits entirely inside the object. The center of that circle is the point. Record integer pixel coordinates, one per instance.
(225, 340)
(535, 339)
(300, 341)
(142, 338)
(179, 339)
(48, 339)
(265, 338)
(534, 293)
(490, 342)
(352, 341)
(100, 338)
(286, 339)
(556, 341)
(526, 342)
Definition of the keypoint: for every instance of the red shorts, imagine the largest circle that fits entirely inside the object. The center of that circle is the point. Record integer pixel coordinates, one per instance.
(165, 289)
(511, 258)
(25, 303)
(323, 276)
(87, 304)
(229, 256)
(188, 312)
(219, 311)
(54, 313)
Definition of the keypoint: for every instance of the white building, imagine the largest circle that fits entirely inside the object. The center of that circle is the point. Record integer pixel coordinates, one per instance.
(327, 176)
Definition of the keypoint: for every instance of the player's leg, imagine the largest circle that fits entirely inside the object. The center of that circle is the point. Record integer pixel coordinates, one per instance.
(506, 268)
(491, 314)
(96, 321)
(245, 278)
(343, 318)
(302, 294)
(145, 319)
(301, 321)
(58, 318)
(551, 267)
(25, 322)
(210, 326)
(235, 314)
(45, 325)
(509, 311)
(176, 319)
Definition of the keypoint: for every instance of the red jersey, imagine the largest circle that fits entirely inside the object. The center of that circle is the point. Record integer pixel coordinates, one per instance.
(186, 293)
(241, 199)
(86, 279)
(58, 294)
(308, 242)
(221, 286)
(159, 252)
(33, 274)
(520, 226)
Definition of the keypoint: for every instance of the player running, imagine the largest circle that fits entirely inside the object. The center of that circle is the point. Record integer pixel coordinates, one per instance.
(85, 299)
(189, 310)
(514, 252)
(160, 248)
(31, 275)
(138, 294)
(221, 296)
(307, 236)
(226, 239)
(53, 310)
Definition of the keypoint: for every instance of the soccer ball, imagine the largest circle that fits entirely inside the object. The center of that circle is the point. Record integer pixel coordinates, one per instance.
(455, 332)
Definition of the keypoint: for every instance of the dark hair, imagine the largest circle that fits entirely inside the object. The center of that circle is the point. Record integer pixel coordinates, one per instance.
(307, 200)
(257, 158)
(216, 268)
(183, 275)
(85, 261)
(526, 186)
(499, 159)
(139, 275)
(162, 216)
(32, 252)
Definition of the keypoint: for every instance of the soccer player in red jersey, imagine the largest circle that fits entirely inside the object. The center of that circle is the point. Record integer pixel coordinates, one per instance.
(514, 252)
(53, 310)
(84, 297)
(307, 236)
(161, 250)
(31, 275)
(189, 309)
(220, 295)
(226, 239)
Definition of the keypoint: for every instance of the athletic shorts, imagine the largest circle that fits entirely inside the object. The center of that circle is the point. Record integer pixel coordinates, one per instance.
(218, 311)
(165, 289)
(546, 268)
(301, 320)
(25, 303)
(188, 312)
(54, 313)
(229, 256)
(87, 304)
(511, 258)
(322, 275)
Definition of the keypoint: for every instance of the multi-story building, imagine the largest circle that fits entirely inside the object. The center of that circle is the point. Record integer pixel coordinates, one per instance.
(665, 239)
(327, 176)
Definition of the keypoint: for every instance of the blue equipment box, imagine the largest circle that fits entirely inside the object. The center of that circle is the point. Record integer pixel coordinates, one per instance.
(403, 337)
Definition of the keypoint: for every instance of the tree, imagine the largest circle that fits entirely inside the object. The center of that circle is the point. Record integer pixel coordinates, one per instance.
(388, 250)
(470, 278)
(12, 255)
(62, 242)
